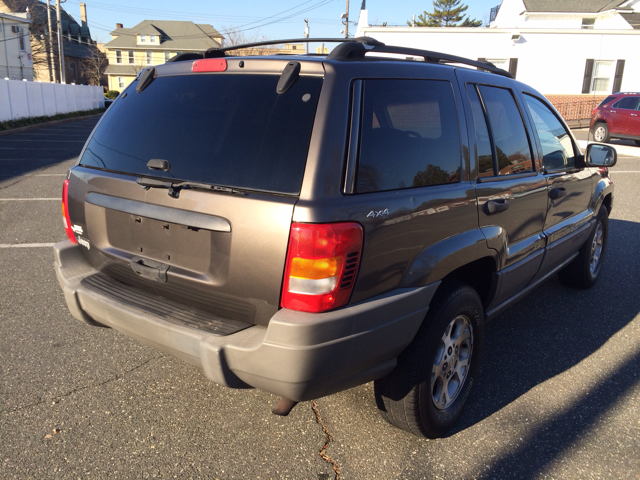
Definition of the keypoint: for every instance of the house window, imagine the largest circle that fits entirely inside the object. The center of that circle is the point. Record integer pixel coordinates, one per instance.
(131, 57)
(120, 82)
(118, 56)
(588, 23)
(21, 38)
(167, 56)
(152, 39)
(149, 57)
(602, 73)
(143, 39)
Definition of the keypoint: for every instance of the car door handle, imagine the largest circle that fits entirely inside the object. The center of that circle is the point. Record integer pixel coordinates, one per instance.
(634, 114)
(495, 206)
(557, 193)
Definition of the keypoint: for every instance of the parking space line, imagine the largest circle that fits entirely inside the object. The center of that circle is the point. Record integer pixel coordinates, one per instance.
(25, 245)
(52, 141)
(28, 199)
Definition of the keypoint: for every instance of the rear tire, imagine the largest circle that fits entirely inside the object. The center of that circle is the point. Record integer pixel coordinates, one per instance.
(426, 393)
(584, 270)
(601, 133)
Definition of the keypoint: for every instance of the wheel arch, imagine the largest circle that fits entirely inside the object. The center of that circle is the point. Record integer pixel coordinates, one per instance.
(464, 258)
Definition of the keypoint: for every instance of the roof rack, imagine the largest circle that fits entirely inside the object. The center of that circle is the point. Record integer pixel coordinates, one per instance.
(352, 48)
(358, 50)
(219, 52)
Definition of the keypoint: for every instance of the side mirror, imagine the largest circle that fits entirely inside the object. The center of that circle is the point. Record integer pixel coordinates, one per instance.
(599, 155)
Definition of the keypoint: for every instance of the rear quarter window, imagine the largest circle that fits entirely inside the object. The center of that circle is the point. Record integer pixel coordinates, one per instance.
(410, 135)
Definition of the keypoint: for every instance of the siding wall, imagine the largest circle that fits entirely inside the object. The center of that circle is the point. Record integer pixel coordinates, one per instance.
(20, 99)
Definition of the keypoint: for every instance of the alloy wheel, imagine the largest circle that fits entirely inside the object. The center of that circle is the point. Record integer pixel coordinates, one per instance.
(452, 361)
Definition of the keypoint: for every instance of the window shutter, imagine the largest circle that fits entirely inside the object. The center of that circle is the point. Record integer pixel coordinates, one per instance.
(513, 66)
(588, 72)
(617, 81)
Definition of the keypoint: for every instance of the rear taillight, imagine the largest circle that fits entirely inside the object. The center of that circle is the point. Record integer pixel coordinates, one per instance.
(322, 263)
(594, 111)
(65, 212)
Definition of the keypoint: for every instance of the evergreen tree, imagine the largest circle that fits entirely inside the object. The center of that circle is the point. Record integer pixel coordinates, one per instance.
(446, 13)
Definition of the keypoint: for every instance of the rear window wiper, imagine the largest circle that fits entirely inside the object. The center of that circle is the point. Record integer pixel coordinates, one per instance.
(175, 187)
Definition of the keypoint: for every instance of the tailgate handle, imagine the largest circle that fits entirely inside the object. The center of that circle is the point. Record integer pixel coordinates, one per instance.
(495, 206)
(149, 269)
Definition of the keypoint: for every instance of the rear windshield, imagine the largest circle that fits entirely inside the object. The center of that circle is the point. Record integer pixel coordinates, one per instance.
(230, 130)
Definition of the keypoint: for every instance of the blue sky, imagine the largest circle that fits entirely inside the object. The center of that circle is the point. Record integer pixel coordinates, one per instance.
(275, 19)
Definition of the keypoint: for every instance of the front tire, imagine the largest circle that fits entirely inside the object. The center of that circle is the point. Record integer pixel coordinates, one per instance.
(601, 133)
(426, 393)
(584, 270)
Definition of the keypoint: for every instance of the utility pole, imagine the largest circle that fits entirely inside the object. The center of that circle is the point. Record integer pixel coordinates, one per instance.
(346, 23)
(52, 58)
(306, 33)
(60, 47)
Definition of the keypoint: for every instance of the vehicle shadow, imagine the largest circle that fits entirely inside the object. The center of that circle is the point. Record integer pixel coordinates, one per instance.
(547, 333)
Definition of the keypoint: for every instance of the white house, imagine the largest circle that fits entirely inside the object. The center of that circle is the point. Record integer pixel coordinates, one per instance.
(15, 52)
(560, 47)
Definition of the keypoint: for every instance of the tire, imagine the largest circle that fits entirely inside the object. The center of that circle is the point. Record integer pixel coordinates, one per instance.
(584, 270)
(453, 328)
(601, 133)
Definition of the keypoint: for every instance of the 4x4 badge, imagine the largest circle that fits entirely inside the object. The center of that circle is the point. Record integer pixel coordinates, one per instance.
(378, 213)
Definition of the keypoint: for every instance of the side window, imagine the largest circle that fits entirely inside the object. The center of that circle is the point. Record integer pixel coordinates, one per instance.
(409, 135)
(483, 140)
(628, 102)
(557, 148)
(513, 153)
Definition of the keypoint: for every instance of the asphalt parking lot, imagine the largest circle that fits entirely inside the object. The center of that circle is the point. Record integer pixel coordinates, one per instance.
(558, 394)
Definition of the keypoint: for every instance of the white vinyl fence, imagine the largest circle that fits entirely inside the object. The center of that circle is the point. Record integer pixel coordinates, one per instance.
(20, 99)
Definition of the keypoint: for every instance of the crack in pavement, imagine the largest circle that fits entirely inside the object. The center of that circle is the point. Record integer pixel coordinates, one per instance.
(328, 440)
(79, 389)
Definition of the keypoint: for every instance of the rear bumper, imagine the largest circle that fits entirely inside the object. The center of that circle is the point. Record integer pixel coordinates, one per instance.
(298, 355)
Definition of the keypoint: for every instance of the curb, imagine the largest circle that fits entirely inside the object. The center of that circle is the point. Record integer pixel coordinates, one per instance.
(44, 124)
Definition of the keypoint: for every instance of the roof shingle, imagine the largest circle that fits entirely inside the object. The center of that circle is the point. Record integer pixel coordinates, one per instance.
(578, 6)
(175, 35)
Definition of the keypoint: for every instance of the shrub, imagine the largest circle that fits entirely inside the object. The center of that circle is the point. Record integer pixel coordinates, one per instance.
(112, 94)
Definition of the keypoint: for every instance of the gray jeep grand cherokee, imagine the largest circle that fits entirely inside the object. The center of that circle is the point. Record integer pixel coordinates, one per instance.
(305, 225)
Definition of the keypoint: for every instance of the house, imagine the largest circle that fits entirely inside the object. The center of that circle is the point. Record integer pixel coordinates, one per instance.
(78, 47)
(570, 50)
(153, 42)
(15, 52)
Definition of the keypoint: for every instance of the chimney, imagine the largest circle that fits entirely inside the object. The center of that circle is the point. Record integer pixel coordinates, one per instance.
(83, 14)
(118, 25)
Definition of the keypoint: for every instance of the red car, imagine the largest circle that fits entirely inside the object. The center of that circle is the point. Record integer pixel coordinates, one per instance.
(618, 116)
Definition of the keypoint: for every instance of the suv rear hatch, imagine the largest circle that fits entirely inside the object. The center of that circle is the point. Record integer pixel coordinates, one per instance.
(235, 152)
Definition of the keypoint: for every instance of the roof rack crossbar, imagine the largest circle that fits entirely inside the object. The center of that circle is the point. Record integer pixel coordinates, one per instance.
(358, 47)
(216, 52)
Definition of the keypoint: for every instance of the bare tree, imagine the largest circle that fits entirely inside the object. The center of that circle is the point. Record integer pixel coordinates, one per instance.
(237, 37)
(94, 66)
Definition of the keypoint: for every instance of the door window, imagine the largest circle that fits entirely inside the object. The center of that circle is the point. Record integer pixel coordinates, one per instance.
(512, 148)
(627, 102)
(410, 135)
(486, 166)
(557, 147)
